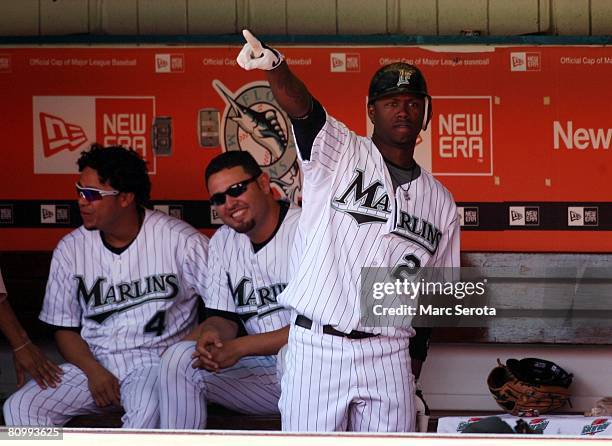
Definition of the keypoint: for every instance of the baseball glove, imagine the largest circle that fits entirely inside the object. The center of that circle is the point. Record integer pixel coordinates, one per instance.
(529, 387)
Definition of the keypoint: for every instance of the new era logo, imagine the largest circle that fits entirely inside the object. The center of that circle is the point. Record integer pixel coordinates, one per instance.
(214, 217)
(54, 214)
(6, 214)
(58, 135)
(532, 216)
(524, 215)
(47, 213)
(62, 214)
(5, 63)
(525, 61)
(459, 139)
(516, 216)
(574, 216)
(582, 216)
(66, 125)
(175, 211)
(344, 62)
(468, 216)
(169, 63)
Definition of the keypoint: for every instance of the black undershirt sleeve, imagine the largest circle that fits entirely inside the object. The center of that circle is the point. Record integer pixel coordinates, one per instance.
(53, 328)
(230, 316)
(419, 343)
(306, 129)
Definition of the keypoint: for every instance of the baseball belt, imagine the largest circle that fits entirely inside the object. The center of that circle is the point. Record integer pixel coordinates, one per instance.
(304, 322)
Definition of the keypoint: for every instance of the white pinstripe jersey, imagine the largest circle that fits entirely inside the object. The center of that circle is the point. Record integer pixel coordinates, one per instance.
(145, 297)
(247, 283)
(352, 217)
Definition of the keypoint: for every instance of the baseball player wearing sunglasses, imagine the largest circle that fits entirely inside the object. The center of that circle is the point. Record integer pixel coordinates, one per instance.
(234, 191)
(92, 194)
(122, 288)
(250, 263)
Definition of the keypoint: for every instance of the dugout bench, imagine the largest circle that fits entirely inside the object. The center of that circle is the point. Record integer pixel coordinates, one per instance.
(25, 275)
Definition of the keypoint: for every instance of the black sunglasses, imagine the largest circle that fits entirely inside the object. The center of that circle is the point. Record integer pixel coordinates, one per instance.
(235, 190)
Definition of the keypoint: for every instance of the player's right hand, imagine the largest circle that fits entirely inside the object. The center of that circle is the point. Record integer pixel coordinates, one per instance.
(104, 387)
(256, 56)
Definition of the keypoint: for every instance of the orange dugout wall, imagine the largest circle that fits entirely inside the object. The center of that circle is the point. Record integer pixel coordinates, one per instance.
(520, 135)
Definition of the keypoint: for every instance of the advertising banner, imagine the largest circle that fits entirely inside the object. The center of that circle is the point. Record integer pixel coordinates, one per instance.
(520, 135)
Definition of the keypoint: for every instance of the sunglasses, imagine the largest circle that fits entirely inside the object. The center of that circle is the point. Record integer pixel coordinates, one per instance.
(93, 194)
(234, 191)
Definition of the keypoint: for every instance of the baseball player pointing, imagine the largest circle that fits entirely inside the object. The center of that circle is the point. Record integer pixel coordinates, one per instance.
(365, 203)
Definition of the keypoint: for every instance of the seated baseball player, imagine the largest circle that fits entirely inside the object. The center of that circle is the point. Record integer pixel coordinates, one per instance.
(122, 288)
(250, 263)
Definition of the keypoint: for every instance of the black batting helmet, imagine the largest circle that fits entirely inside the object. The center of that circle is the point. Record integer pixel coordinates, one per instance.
(397, 78)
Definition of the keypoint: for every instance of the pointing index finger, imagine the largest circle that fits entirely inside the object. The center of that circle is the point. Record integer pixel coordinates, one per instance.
(252, 40)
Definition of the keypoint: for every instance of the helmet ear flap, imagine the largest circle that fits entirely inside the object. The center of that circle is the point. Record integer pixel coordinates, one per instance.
(427, 114)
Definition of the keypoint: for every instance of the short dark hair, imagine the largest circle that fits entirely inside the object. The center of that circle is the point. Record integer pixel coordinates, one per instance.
(124, 169)
(232, 158)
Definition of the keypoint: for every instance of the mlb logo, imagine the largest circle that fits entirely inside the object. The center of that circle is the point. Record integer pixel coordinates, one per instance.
(582, 216)
(337, 62)
(169, 63)
(5, 63)
(468, 216)
(6, 214)
(47, 214)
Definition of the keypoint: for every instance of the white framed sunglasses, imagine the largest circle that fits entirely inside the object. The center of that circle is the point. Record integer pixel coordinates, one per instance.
(92, 194)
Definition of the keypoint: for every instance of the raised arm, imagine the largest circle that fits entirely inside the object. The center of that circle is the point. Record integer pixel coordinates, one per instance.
(289, 91)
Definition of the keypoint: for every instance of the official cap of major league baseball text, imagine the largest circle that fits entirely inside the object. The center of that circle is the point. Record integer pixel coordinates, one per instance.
(397, 78)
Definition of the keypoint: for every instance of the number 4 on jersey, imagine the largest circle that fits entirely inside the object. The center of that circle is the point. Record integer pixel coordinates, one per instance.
(156, 324)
